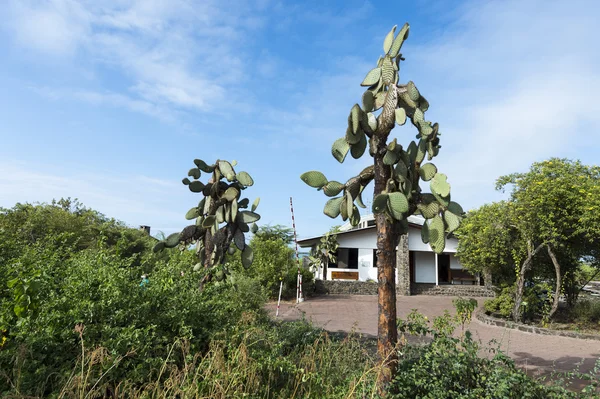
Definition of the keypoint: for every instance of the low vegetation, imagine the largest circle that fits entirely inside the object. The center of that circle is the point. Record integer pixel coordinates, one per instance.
(77, 322)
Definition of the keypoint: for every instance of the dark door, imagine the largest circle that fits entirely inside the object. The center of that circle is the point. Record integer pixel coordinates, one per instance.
(444, 268)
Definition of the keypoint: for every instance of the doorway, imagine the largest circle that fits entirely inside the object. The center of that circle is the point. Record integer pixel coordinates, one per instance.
(443, 268)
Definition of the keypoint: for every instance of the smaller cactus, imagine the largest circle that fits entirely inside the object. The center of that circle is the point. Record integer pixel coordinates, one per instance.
(220, 205)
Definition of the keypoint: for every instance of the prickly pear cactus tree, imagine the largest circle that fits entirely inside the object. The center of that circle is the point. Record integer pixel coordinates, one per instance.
(221, 218)
(398, 173)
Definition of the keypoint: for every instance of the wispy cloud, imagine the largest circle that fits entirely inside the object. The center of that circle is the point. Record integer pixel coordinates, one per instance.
(179, 53)
(511, 83)
(137, 199)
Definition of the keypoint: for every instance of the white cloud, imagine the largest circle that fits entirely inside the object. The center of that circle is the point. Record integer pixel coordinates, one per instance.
(180, 53)
(135, 199)
(511, 83)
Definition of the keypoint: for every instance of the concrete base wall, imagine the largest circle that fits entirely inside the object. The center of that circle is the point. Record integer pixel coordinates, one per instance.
(370, 288)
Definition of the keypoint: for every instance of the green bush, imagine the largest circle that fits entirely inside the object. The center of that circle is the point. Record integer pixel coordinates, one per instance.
(273, 260)
(587, 311)
(290, 283)
(451, 367)
(503, 304)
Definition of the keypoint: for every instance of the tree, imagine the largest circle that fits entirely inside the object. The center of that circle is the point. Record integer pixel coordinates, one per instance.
(325, 252)
(219, 220)
(552, 205)
(396, 171)
(277, 232)
(487, 242)
(546, 229)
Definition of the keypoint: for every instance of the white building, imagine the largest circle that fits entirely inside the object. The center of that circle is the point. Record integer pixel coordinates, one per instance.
(416, 263)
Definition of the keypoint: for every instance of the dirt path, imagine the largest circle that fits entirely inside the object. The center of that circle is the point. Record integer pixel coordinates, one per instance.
(540, 354)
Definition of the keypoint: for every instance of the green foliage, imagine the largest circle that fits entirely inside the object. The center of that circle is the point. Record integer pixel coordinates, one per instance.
(276, 232)
(487, 238)
(80, 269)
(464, 309)
(503, 304)
(587, 312)
(450, 367)
(273, 260)
(324, 252)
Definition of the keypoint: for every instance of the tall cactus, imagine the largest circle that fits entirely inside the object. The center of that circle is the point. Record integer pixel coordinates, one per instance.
(220, 218)
(397, 172)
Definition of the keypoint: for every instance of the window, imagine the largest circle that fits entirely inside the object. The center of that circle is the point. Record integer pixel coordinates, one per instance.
(347, 258)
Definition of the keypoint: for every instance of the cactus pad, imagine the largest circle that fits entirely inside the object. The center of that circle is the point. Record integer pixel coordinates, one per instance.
(340, 149)
(437, 237)
(389, 39)
(185, 181)
(247, 256)
(333, 188)
(231, 193)
(372, 77)
(194, 172)
(455, 208)
(332, 207)
(439, 185)
(429, 210)
(192, 213)
(398, 204)
(255, 204)
(172, 240)
(400, 116)
(159, 246)
(245, 179)
(249, 216)
(209, 221)
(196, 186)
(358, 149)
(203, 166)
(355, 115)
(397, 43)
(427, 171)
(314, 179)
(372, 120)
(225, 168)
(452, 221)
(425, 233)
(380, 203)
(368, 101)
(239, 240)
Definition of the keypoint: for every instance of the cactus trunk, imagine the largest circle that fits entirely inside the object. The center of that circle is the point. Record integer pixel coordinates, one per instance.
(387, 240)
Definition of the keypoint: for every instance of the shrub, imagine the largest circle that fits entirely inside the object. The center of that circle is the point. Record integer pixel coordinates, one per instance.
(450, 367)
(503, 304)
(587, 311)
(290, 282)
(100, 292)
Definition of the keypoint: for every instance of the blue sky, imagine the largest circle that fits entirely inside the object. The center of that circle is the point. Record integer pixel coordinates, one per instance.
(110, 101)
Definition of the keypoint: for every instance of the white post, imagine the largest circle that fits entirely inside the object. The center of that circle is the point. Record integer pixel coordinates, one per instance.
(436, 270)
(279, 300)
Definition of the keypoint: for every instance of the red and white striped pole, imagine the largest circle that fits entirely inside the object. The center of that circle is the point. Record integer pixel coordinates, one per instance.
(299, 297)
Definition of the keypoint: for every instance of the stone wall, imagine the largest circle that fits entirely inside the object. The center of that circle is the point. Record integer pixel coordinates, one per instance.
(335, 287)
(487, 319)
(345, 287)
(453, 290)
(403, 267)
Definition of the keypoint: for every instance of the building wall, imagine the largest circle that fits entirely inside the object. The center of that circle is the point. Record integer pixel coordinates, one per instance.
(359, 239)
(366, 242)
(454, 263)
(424, 267)
(416, 244)
(365, 265)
